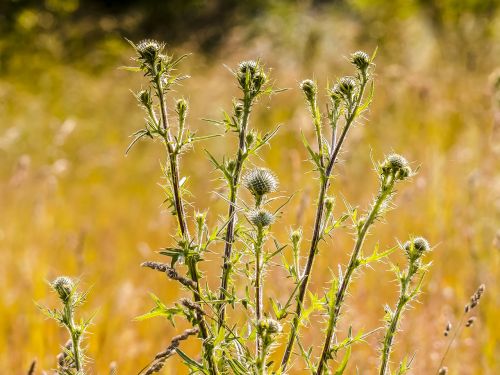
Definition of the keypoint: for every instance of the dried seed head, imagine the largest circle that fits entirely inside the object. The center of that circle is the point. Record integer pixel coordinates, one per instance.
(474, 300)
(260, 181)
(261, 218)
(396, 165)
(64, 287)
(470, 321)
(360, 60)
(443, 370)
(309, 88)
(447, 329)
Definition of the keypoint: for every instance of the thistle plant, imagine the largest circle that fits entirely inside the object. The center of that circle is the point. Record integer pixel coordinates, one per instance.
(347, 103)
(414, 250)
(226, 346)
(72, 359)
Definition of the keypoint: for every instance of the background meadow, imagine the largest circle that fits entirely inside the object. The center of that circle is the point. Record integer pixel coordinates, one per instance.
(72, 203)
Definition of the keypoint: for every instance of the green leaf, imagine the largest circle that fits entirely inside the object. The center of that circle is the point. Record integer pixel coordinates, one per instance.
(190, 362)
(161, 310)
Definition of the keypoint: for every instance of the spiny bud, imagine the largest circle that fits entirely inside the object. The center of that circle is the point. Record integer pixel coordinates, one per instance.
(346, 86)
(250, 138)
(261, 218)
(260, 181)
(443, 370)
(329, 203)
(416, 248)
(181, 107)
(200, 218)
(360, 60)
(238, 109)
(144, 97)
(268, 326)
(230, 165)
(396, 165)
(64, 287)
(296, 237)
(251, 76)
(309, 88)
(149, 50)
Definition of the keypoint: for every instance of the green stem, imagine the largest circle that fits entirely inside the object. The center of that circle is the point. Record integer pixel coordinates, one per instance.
(258, 282)
(233, 194)
(181, 218)
(385, 190)
(393, 325)
(317, 235)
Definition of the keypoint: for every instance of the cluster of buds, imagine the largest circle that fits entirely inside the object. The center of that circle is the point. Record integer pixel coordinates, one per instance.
(251, 77)
(415, 248)
(268, 328)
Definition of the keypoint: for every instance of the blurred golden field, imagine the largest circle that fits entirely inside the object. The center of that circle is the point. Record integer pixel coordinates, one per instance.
(72, 203)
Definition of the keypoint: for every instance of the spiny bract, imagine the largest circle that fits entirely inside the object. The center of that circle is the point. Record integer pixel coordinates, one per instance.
(260, 181)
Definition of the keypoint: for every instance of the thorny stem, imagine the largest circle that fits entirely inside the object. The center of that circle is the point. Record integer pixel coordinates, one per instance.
(258, 282)
(393, 325)
(385, 191)
(229, 236)
(181, 218)
(325, 182)
(75, 336)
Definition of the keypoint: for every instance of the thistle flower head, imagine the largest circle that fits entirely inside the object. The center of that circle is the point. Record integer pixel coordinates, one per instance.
(360, 60)
(64, 287)
(396, 165)
(261, 218)
(416, 247)
(260, 181)
(309, 88)
(149, 50)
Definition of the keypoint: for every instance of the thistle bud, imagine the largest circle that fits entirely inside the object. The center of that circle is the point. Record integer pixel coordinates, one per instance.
(309, 88)
(346, 86)
(443, 370)
(149, 50)
(251, 76)
(181, 107)
(260, 181)
(261, 218)
(64, 287)
(144, 97)
(200, 218)
(238, 109)
(296, 237)
(250, 138)
(360, 60)
(329, 203)
(268, 327)
(416, 248)
(396, 165)
(230, 165)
